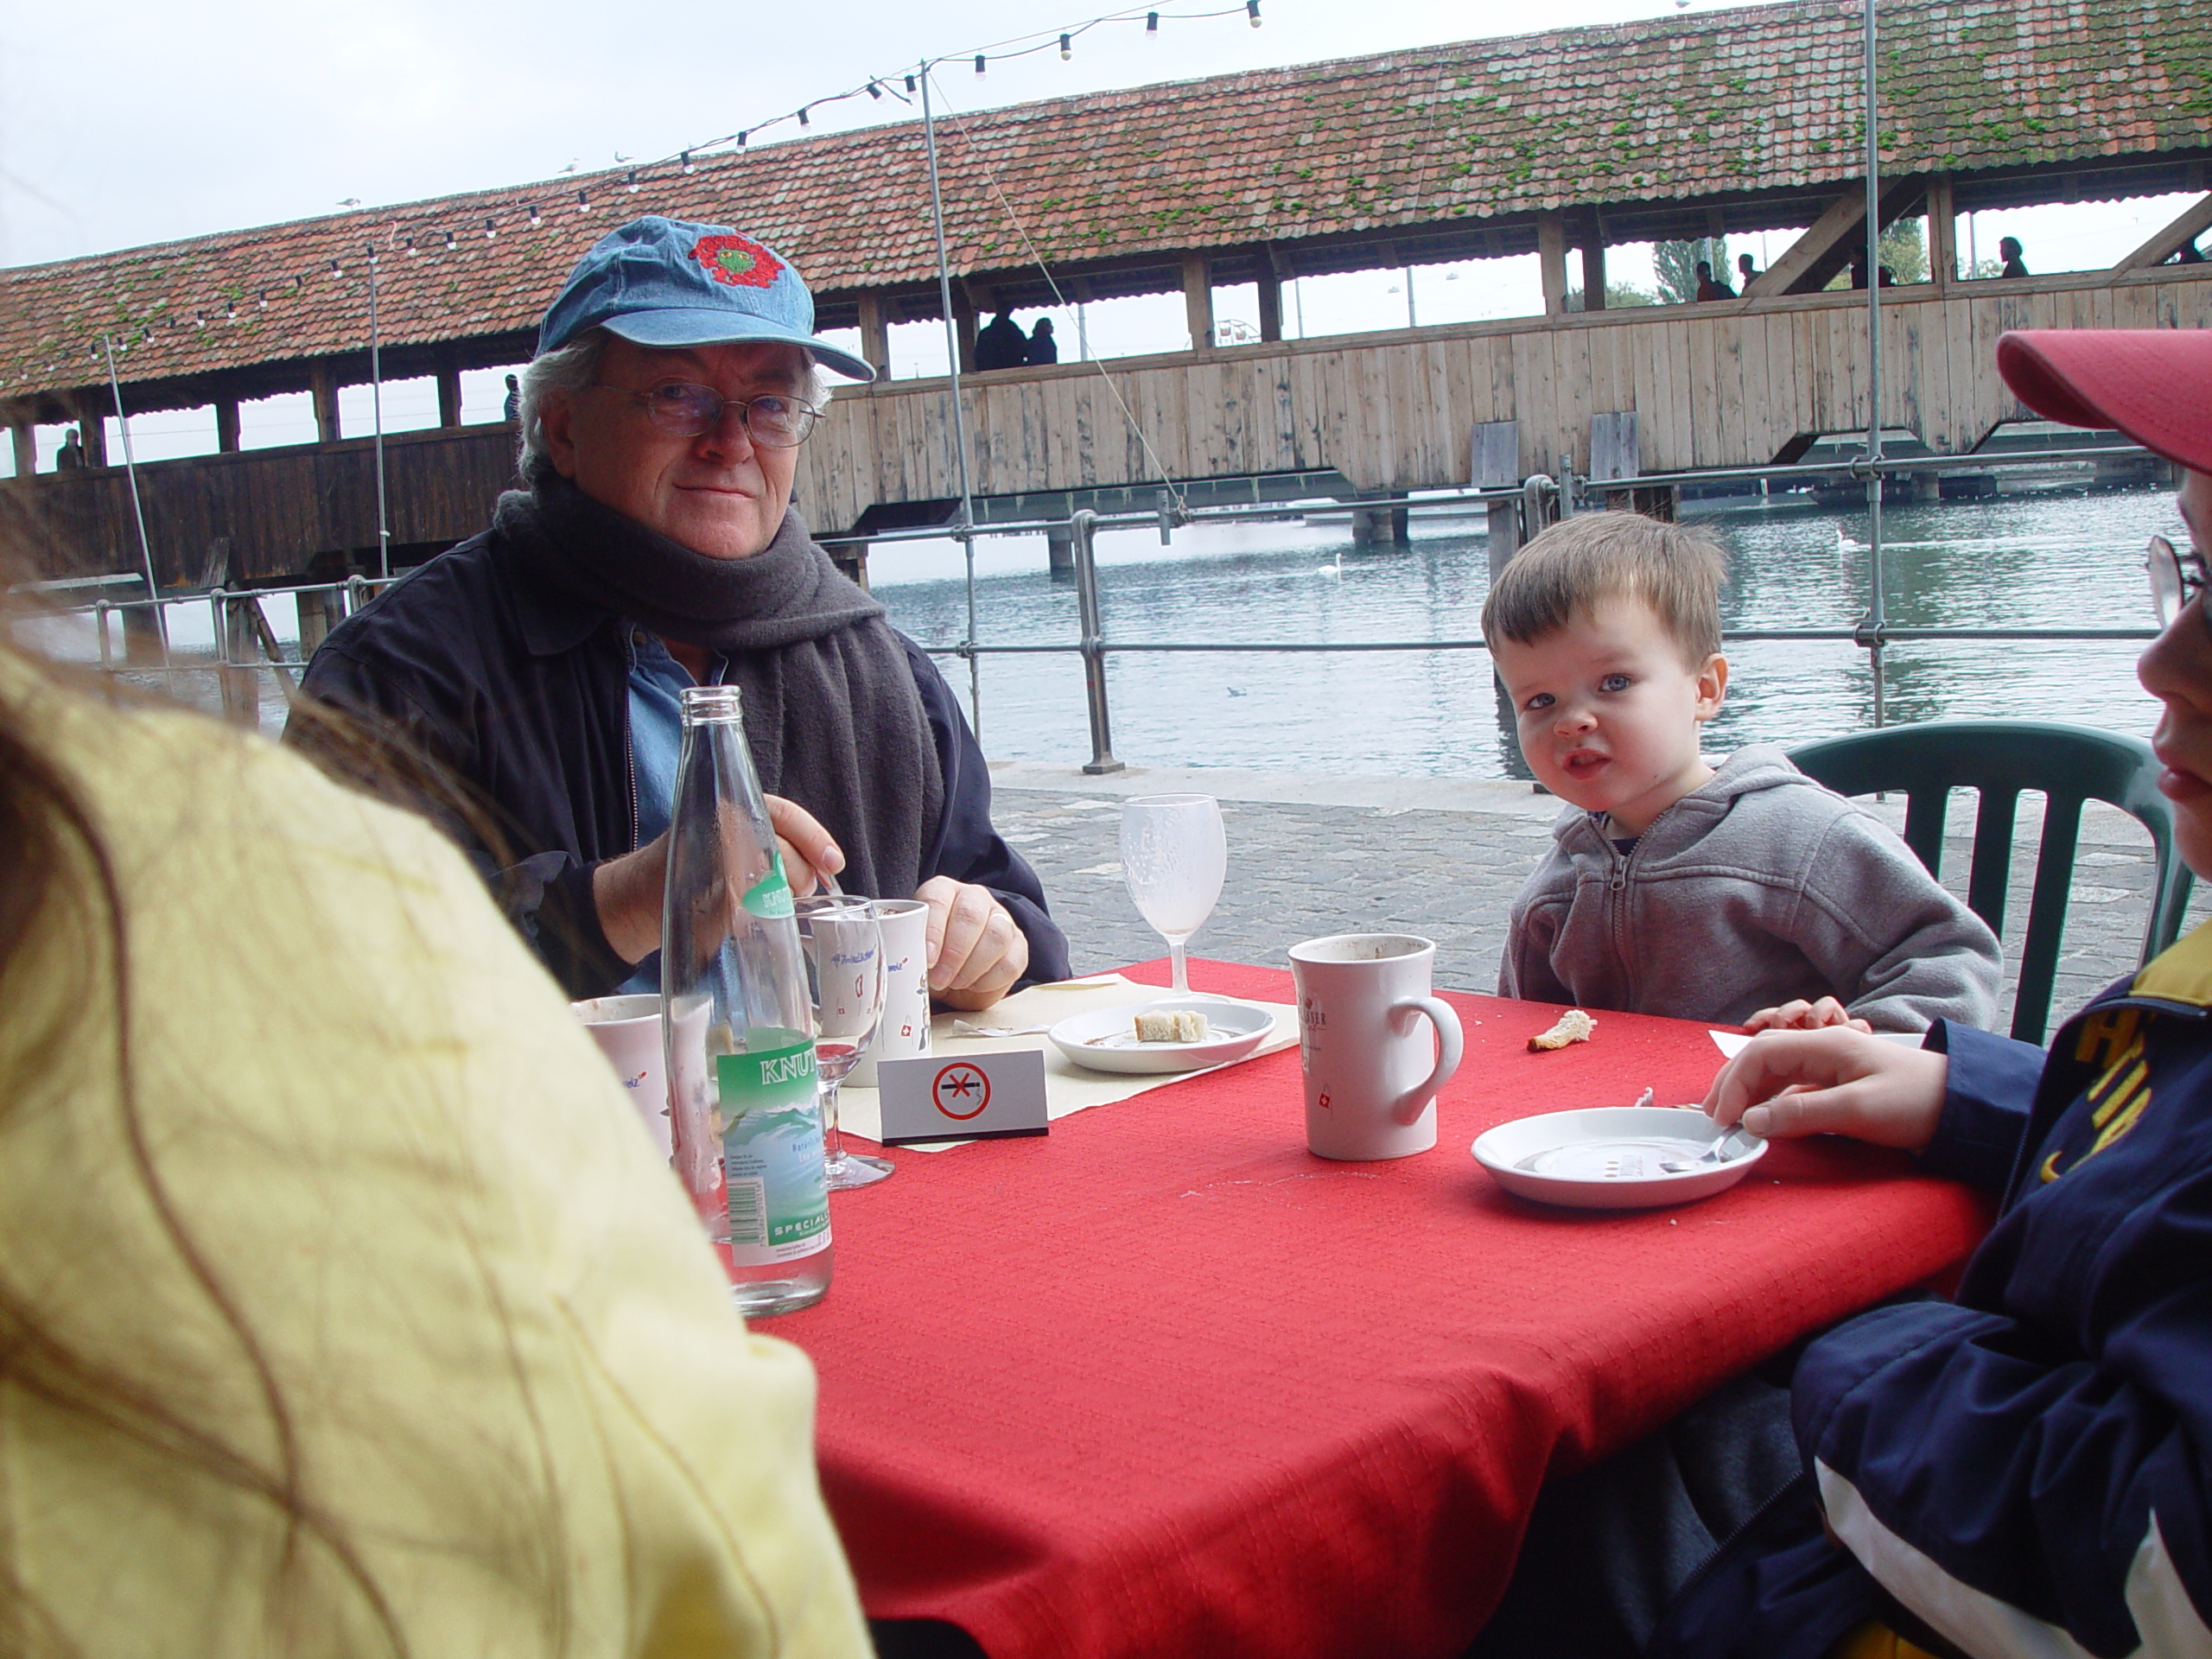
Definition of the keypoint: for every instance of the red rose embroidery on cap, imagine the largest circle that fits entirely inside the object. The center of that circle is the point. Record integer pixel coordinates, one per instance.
(737, 260)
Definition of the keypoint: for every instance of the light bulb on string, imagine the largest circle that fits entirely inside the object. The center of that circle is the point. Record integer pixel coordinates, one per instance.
(979, 63)
(910, 86)
(1252, 10)
(742, 137)
(875, 91)
(630, 181)
(802, 115)
(491, 230)
(535, 218)
(1067, 47)
(688, 168)
(449, 244)
(1152, 25)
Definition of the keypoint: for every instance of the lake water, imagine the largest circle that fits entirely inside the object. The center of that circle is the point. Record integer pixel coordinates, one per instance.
(2048, 560)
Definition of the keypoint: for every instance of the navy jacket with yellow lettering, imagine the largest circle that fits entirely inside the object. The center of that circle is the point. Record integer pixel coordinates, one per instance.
(2026, 1469)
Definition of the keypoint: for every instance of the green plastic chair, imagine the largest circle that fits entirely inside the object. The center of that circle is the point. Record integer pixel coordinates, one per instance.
(2000, 758)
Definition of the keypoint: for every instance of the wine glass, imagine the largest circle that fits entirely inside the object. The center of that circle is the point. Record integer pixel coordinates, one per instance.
(844, 976)
(1173, 856)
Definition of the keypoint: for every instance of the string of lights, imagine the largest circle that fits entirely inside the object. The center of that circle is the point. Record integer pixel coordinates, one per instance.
(417, 239)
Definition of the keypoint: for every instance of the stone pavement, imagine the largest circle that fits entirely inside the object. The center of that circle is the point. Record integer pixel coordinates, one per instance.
(1310, 855)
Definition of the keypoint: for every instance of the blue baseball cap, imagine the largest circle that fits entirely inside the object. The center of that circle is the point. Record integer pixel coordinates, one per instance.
(665, 281)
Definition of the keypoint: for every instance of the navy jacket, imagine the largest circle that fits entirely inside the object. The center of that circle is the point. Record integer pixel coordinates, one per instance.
(2026, 1469)
(520, 692)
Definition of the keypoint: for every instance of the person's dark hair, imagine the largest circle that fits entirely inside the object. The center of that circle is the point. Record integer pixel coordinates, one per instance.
(1577, 563)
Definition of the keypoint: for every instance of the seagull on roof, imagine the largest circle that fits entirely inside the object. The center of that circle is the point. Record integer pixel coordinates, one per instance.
(619, 156)
(351, 201)
(571, 167)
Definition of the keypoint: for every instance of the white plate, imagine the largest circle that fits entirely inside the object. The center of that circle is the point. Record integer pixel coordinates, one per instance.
(1609, 1157)
(1105, 1040)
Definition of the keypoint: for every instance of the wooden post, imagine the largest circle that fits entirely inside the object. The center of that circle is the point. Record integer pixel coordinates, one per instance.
(1270, 285)
(92, 421)
(26, 437)
(1593, 273)
(1551, 252)
(1942, 234)
(1198, 301)
(226, 426)
(875, 333)
(323, 387)
(240, 684)
(963, 322)
(448, 395)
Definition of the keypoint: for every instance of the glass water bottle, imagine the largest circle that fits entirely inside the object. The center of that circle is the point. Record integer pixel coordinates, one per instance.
(738, 1024)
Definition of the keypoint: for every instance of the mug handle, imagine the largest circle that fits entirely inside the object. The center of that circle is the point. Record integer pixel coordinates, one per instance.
(1449, 1039)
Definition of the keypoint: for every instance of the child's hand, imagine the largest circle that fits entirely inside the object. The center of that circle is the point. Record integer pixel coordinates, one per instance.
(1831, 1081)
(1802, 1015)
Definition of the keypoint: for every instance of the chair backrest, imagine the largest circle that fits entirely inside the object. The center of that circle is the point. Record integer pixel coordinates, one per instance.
(2000, 758)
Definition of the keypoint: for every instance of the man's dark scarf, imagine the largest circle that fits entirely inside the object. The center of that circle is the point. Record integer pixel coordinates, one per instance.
(831, 709)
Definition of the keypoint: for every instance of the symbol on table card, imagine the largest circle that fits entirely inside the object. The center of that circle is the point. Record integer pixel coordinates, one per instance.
(1325, 1102)
(960, 1091)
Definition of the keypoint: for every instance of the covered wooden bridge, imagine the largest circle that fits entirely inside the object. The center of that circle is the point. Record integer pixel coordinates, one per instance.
(1561, 145)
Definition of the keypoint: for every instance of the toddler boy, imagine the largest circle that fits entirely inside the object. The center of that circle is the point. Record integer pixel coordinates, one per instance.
(1747, 895)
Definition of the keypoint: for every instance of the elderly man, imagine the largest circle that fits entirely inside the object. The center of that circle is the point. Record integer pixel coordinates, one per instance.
(541, 664)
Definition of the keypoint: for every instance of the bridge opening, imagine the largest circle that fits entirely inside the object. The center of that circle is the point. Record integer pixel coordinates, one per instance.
(271, 423)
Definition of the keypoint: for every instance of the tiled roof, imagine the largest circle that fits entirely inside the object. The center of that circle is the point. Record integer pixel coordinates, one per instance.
(1672, 109)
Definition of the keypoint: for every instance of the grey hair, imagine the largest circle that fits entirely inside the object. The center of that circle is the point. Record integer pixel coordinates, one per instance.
(567, 370)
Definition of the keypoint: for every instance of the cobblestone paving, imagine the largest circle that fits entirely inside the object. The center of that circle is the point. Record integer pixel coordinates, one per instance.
(1298, 872)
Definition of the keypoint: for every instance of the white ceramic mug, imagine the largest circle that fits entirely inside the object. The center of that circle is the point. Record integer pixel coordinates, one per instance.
(905, 1030)
(1371, 1085)
(628, 1031)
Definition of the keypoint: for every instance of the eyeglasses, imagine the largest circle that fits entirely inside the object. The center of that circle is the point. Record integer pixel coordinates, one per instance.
(772, 419)
(2175, 578)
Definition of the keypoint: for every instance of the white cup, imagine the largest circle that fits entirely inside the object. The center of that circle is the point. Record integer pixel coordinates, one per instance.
(905, 1029)
(628, 1031)
(1371, 1084)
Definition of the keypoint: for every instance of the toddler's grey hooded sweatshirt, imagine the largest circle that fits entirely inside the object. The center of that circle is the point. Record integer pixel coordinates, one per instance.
(1757, 888)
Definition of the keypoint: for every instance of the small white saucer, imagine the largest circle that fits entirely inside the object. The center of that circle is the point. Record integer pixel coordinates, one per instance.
(1105, 1040)
(1610, 1157)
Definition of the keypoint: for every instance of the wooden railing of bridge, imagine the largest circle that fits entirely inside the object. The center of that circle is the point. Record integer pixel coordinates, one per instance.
(1732, 384)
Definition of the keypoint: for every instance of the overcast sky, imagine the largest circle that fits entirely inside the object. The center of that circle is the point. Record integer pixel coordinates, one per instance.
(162, 120)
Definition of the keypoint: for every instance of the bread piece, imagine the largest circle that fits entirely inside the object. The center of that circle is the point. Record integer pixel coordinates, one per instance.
(1171, 1026)
(1573, 1026)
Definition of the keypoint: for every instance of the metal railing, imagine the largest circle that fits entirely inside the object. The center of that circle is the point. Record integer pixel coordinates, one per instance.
(245, 646)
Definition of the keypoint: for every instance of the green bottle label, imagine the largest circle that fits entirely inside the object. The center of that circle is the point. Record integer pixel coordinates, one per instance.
(771, 1149)
(770, 898)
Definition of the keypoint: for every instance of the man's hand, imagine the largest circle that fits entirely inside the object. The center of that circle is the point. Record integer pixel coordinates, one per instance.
(975, 951)
(1831, 1081)
(1802, 1015)
(809, 852)
(628, 890)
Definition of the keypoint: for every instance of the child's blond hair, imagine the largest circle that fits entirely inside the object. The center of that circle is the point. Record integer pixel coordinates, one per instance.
(1580, 561)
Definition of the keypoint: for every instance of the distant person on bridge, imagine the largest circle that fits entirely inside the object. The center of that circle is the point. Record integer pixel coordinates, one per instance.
(1002, 345)
(542, 663)
(513, 410)
(1749, 269)
(72, 455)
(1043, 349)
(2189, 254)
(1707, 287)
(2008, 249)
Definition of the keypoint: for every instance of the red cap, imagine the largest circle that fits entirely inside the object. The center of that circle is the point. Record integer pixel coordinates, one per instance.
(2152, 385)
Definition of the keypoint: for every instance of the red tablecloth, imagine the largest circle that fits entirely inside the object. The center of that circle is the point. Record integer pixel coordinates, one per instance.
(1163, 1382)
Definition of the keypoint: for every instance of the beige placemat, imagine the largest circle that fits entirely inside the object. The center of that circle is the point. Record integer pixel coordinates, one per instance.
(1069, 1088)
